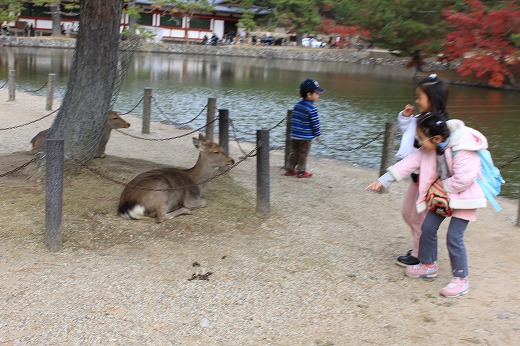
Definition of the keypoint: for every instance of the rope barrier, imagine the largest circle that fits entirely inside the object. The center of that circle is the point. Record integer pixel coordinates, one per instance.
(509, 162)
(30, 122)
(7, 81)
(131, 110)
(169, 138)
(103, 175)
(167, 117)
(19, 168)
(355, 148)
(35, 91)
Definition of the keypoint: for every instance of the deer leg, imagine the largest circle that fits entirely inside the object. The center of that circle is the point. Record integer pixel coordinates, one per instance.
(192, 198)
(181, 211)
(195, 202)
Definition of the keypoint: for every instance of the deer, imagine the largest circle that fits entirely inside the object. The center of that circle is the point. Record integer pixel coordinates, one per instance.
(166, 193)
(114, 122)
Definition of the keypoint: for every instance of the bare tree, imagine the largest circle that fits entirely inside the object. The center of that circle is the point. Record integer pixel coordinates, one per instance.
(82, 116)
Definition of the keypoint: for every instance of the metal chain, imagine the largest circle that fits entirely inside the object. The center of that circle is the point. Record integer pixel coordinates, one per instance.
(509, 162)
(166, 139)
(35, 91)
(177, 124)
(250, 134)
(131, 110)
(236, 137)
(36, 158)
(356, 148)
(31, 122)
(96, 171)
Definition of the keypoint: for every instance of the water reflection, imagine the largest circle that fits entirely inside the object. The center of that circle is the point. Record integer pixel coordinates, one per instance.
(358, 102)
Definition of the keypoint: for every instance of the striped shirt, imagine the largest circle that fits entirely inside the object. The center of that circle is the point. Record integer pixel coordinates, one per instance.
(305, 121)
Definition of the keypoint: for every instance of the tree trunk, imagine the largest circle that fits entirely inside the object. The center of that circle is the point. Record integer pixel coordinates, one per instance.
(56, 19)
(83, 112)
(132, 20)
(417, 61)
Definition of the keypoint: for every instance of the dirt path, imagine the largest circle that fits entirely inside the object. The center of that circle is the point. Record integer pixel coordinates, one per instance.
(320, 271)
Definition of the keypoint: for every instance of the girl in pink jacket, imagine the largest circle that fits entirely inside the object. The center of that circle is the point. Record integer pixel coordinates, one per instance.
(449, 151)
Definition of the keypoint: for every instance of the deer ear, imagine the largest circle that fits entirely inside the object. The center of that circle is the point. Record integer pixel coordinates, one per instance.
(202, 137)
(197, 143)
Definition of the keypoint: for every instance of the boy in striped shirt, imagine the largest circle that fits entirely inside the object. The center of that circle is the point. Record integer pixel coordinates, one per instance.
(305, 126)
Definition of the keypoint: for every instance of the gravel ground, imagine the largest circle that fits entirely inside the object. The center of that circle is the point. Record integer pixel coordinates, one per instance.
(319, 271)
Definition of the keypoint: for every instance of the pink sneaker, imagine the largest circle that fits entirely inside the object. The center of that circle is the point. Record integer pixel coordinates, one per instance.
(422, 271)
(457, 287)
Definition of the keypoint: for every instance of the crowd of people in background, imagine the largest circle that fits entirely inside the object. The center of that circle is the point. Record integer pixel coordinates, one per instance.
(290, 40)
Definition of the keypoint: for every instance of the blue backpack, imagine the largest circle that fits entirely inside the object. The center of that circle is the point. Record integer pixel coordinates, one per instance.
(491, 181)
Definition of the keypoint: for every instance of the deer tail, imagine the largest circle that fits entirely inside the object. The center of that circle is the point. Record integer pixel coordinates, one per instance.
(131, 210)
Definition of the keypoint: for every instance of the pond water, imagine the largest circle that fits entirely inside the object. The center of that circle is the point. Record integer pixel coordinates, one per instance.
(359, 100)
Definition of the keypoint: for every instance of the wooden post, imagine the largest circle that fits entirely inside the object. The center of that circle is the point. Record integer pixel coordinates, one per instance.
(147, 110)
(50, 91)
(210, 117)
(223, 129)
(53, 194)
(12, 85)
(287, 139)
(262, 172)
(518, 216)
(388, 147)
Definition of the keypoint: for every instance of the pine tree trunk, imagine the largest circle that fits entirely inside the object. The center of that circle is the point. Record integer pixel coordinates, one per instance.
(56, 19)
(83, 112)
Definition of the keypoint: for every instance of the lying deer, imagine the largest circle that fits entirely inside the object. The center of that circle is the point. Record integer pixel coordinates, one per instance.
(165, 193)
(114, 122)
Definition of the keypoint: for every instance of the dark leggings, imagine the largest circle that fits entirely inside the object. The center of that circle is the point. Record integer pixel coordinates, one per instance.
(454, 242)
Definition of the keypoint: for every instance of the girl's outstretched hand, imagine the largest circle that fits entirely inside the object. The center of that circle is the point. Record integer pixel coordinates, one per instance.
(375, 186)
(408, 110)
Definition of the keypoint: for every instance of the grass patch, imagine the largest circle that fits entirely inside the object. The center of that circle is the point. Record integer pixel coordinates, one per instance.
(90, 204)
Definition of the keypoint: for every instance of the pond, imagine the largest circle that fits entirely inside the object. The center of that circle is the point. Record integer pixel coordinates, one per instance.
(359, 101)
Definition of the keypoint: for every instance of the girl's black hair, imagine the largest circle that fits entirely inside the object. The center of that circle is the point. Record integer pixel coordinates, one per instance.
(434, 124)
(437, 92)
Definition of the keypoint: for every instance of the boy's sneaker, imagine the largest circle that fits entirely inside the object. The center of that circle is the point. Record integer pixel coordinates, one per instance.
(457, 287)
(290, 172)
(407, 260)
(422, 271)
(304, 174)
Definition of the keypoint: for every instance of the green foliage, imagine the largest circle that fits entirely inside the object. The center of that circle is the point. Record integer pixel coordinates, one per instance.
(302, 16)
(247, 21)
(516, 39)
(187, 7)
(9, 10)
(403, 26)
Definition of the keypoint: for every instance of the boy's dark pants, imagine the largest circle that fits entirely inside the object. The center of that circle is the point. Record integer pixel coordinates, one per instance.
(300, 149)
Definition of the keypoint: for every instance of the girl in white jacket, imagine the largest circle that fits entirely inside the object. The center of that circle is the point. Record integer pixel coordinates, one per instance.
(432, 96)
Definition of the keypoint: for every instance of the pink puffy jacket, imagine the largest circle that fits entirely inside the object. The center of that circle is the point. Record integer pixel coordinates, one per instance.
(463, 165)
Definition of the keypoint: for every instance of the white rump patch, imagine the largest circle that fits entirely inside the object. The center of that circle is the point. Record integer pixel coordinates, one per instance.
(136, 212)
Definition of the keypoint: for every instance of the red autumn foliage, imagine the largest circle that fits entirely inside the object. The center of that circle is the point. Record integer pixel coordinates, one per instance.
(331, 27)
(482, 38)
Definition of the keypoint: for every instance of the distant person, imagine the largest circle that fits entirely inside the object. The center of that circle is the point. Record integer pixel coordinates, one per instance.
(432, 96)
(214, 40)
(204, 40)
(448, 151)
(305, 126)
(31, 30)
